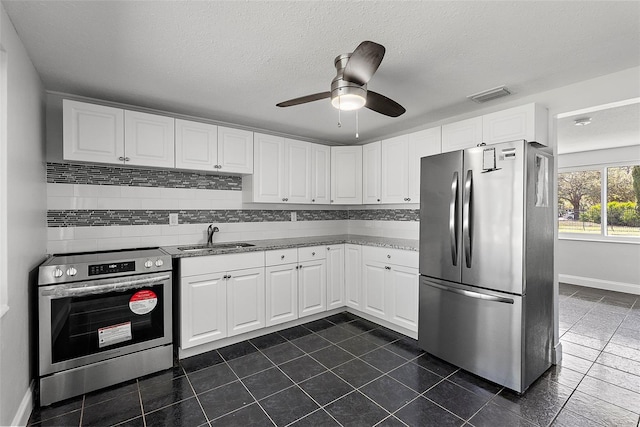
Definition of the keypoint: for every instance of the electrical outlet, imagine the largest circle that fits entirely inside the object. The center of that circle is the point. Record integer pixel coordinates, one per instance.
(294, 216)
(173, 219)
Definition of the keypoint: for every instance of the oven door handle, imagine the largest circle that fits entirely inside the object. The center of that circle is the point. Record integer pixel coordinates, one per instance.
(82, 289)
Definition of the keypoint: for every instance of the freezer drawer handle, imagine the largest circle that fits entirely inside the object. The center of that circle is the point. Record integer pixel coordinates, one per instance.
(470, 294)
(467, 218)
(453, 216)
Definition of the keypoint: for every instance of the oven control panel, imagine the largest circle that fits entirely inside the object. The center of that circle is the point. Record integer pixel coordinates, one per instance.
(114, 267)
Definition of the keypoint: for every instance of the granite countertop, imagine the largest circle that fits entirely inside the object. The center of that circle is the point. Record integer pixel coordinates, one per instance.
(271, 244)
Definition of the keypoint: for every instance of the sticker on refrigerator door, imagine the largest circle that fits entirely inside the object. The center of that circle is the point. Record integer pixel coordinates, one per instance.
(489, 160)
(143, 302)
(114, 334)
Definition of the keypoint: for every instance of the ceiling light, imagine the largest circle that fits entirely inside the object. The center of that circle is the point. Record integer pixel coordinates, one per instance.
(582, 122)
(349, 98)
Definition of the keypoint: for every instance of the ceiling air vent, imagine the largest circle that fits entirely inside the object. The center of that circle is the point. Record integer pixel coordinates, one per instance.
(488, 95)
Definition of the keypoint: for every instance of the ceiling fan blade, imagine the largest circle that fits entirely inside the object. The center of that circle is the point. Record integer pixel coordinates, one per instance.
(383, 105)
(363, 63)
(304, 99)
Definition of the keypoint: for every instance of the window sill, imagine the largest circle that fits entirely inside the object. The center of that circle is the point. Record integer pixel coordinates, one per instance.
(600, 238)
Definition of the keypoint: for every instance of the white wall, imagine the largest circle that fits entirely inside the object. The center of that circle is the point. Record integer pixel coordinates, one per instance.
(26, 203)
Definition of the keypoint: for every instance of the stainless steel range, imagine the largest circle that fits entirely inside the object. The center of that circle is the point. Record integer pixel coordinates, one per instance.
(104, 318)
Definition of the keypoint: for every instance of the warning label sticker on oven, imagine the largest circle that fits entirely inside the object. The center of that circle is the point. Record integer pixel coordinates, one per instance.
(143, 302)
(114, 334)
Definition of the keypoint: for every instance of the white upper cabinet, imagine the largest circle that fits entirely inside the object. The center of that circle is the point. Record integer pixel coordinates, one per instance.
(235, 150)
(423, 143)
(282, 170)
(462, 134)
(196, 145)
(401, 164)
(297, 170)
(320, 174)
(371, 173)
(92, 133)
(346, 175)
(528, 122)
(395, 170)
(149, 139)
(268, 180)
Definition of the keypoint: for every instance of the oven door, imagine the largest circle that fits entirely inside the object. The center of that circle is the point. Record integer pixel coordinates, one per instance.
(87, 322)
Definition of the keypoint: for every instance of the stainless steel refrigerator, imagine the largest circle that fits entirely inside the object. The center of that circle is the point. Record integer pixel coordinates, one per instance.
(486, 261)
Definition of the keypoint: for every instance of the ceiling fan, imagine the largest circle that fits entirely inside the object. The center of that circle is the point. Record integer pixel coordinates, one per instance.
(349, 86)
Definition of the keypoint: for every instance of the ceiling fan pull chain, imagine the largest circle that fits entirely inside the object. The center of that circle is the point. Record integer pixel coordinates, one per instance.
(339, 123)
(357, 133)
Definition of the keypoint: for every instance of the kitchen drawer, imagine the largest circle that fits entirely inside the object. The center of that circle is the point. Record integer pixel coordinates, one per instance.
(281, 256)
(312, 253)
(214, 263)
(390, 256)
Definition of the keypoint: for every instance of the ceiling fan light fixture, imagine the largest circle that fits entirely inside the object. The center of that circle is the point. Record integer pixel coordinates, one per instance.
(349, 98)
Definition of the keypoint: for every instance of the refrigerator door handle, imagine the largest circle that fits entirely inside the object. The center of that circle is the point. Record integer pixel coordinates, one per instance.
(467, 218)
(469, 294)
(453, 210)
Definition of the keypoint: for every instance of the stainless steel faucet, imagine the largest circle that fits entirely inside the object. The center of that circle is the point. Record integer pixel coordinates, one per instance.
(210, 230)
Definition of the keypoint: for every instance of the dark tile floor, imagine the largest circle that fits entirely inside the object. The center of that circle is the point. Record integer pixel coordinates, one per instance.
(347, 371)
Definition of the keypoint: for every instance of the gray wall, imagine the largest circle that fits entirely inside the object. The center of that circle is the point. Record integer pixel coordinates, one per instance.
(26, 204)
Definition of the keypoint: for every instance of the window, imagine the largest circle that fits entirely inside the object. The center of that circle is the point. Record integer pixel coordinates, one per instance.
(580, 196)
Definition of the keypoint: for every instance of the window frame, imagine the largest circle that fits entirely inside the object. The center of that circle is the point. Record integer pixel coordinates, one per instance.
(4, 275)
(603, 236)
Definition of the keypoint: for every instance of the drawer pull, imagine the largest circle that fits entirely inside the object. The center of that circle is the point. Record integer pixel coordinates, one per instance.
(281, 256)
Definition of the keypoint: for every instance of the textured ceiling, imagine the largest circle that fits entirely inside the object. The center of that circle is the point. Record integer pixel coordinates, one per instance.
(232, 61)
(618, 126)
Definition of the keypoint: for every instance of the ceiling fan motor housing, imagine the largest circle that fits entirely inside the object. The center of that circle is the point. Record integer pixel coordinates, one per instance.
(346, 95)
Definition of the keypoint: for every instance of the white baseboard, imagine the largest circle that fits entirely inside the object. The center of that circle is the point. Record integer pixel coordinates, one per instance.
(24, 410)
(608, 285)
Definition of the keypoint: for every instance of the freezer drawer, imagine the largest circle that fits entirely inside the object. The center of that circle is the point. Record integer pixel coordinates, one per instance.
(477, 330)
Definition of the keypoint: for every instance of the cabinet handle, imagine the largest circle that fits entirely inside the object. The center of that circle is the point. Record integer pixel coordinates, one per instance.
(282, 257)
(387, 267)
(408, 199)
(300, 267)
(332, 201)
(121, 158)
(219, 166)
(297, 267)
(313, 254)
(313, 200)
(126, 159)
(328, 248)
(377, 200)
(389, 256)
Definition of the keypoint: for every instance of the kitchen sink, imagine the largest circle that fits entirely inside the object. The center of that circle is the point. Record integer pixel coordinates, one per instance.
(214, 246)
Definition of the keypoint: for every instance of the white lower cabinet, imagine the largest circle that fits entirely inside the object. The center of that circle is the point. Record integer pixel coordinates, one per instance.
(245, 301)
(390, 285)
(281, 286)
(335, 277)
(312, 280)
(353, 275)
(203, 309)
(220, 296)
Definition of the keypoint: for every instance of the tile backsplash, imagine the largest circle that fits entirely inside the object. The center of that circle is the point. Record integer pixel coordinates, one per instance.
(94, 207)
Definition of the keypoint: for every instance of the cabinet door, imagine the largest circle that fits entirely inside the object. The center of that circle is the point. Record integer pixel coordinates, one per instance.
(267, 175)
(373, 288)
(527, 122)
(462, 134)
(395, 170)
(281, 294)
(235, 150)
(203, 309)
(371, 173)
(92, 133)
(297, 171)
(149, 139)
(312, 287)
(423, 143)
(353, 275)
(196, 145)
(245, 300)
(402, 296)
(346, 175)
(335, 277)
(320, 174)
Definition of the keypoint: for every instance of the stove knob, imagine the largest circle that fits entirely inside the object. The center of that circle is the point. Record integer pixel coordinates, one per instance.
(71, 271)
(148, 263)
(57, 273)
(159, 263)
